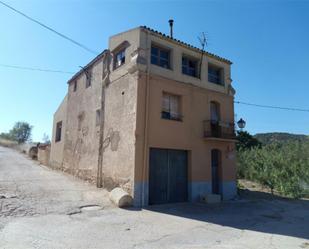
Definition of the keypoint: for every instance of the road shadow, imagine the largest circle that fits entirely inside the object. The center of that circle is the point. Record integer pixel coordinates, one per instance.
(254, 210)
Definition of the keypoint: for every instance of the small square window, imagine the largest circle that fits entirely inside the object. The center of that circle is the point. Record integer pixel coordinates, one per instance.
(58, 131)
(98, 117)
(75, 86)
(120, 58)
(189, 66)
(215, 75)
(88, 78)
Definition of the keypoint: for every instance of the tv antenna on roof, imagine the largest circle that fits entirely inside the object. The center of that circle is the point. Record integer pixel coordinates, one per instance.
(203, 41)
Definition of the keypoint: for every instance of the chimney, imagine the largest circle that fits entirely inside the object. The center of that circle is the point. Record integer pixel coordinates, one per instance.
(171, 21)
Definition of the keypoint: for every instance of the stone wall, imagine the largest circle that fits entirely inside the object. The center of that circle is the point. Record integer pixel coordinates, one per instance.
(44, 154)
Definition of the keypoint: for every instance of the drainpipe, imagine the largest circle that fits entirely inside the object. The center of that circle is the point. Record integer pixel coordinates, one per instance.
(105, 77)
(146, 123)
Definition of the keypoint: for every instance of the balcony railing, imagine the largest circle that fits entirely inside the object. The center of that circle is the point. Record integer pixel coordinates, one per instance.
(219, 129)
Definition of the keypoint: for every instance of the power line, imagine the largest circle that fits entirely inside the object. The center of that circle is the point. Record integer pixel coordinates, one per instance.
(236, 102)
(40, 69)
(36, 69)
(50, 29)
(272, 107)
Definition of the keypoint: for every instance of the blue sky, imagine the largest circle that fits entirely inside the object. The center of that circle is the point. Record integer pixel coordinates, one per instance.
(268, 42)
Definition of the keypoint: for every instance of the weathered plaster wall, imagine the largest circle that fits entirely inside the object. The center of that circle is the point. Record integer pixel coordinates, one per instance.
(120, 114)
(119, 130)
(129, 40)
(57, 148)
(82, 132)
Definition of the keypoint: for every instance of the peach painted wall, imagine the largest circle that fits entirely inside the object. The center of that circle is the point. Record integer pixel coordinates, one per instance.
(187, 134)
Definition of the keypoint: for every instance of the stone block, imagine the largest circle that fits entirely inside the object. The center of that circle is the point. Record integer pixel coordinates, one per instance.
(120, 198)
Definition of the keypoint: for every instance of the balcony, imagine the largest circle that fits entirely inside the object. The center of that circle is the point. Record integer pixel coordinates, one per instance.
(219, 130)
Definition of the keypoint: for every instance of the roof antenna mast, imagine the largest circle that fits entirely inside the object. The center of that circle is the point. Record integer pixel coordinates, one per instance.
(171, 22)
(204, 42)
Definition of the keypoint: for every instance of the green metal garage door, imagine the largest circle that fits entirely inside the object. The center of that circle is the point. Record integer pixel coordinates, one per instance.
(168, 176)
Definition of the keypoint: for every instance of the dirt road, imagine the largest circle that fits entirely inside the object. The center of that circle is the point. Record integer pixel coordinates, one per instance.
(41, 208)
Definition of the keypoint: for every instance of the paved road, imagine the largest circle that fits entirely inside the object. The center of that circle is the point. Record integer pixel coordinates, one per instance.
(41, 208)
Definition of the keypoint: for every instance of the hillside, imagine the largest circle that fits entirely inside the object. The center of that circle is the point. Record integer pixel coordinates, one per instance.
(279, 137)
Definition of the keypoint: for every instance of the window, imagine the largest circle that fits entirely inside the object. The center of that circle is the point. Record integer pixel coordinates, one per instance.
(215, 128)
(189, 66)
(75, 86)
(171, 107)
(58, 131)
(88, 77)
(98, 117)
(120, 58)
(160, 57)
(215, 74)
(214, 111)
(80, 118)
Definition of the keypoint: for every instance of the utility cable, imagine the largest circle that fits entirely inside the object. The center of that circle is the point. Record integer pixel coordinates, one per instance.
(236, 102)
(49, 28)
(272, 107)
(36, 69)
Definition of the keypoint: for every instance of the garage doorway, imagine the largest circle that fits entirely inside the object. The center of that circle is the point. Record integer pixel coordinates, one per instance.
(168, 176)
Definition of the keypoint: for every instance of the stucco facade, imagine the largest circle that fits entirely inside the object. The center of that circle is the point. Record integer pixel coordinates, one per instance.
(57, 148)
(110, 126)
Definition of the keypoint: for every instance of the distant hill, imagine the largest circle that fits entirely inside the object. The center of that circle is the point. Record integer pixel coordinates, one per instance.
(279, 137)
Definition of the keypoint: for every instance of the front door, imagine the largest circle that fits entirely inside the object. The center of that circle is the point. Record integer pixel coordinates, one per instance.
(168, 176)
(215, 163)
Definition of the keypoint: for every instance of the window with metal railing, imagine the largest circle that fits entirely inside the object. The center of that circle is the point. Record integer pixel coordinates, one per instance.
(215, 75)
(189, 66)
(171, 107)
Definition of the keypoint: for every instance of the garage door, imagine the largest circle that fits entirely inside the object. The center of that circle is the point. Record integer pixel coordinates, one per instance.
(168, 177)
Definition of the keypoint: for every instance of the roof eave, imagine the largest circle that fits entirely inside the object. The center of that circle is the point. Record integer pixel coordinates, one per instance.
(98, 57)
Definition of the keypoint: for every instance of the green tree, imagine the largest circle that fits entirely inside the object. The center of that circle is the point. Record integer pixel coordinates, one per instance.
(21, 132)
(246, 141)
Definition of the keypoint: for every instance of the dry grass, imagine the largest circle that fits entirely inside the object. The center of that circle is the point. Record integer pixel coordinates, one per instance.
(7, 143)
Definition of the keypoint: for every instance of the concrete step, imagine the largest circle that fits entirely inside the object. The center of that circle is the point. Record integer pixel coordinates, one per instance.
(211, 198)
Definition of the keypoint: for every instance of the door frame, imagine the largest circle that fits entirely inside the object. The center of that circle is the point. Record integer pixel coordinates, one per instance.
(216, 187)
(168, 169)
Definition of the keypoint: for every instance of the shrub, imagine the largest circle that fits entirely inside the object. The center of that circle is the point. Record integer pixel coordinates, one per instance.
(281, 167)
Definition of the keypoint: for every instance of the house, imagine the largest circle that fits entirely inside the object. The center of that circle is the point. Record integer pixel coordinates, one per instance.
(152, 115)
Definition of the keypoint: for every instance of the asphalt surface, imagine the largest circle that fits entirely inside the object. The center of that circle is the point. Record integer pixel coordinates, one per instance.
(42, 208)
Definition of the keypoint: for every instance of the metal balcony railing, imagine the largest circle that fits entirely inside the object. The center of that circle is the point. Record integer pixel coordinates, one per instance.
(219, 129)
